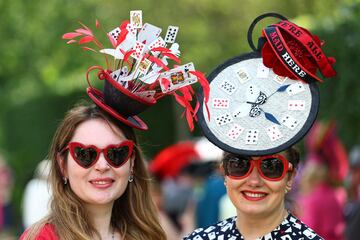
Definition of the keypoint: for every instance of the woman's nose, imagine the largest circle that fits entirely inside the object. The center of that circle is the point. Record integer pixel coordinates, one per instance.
(254, 178)
(102, 164)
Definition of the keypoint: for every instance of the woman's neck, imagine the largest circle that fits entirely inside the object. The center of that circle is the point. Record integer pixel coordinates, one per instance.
(254, 226)
(100, 217)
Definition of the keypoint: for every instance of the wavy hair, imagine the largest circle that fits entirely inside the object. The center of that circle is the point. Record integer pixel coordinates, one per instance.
(134, 213)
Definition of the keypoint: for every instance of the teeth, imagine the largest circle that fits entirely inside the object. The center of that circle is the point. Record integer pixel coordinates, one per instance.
(101, 182)
(254, 195)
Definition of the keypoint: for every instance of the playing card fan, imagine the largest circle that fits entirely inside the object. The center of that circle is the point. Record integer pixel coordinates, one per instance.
(141, 67)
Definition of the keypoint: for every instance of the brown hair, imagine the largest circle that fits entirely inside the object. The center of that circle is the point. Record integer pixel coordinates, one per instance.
(133, 214)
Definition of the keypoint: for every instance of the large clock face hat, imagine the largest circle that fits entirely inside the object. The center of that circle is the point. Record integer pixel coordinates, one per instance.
(265, 101)
(141, 68)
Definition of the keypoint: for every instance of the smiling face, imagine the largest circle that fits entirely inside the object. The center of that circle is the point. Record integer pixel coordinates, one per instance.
(256, 196)
(100, 184)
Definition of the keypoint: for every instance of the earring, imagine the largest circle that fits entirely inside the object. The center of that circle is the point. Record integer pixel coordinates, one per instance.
(65, 180)
(287, 190)
(131, 178)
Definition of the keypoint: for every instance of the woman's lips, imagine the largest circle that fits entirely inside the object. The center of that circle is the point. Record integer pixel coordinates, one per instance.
(102, 182)
(254, 196)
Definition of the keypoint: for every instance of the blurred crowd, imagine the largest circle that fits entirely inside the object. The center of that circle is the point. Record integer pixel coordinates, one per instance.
(188, 188)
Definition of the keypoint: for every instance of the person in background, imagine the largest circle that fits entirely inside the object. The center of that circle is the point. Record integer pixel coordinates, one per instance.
(6, 184)
(37, 193)
(99, 182)
(212, 188)
(172, 169)
(257, 187)
(321, 197)
(352, 208)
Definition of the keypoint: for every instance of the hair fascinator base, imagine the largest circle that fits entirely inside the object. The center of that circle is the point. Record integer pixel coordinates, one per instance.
(117, 100)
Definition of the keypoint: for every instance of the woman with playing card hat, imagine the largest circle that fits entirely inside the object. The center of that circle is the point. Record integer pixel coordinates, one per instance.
(99, 180)
(261, 104)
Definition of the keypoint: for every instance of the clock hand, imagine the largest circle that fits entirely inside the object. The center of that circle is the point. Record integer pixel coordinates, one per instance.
(280, 89)
(270, 117)
(253, 103)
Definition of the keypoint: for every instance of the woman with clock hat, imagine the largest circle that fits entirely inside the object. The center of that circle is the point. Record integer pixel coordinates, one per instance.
(261, 104)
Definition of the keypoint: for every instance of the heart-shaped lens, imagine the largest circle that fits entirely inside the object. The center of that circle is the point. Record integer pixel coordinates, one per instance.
(85, 155)
(118, 155)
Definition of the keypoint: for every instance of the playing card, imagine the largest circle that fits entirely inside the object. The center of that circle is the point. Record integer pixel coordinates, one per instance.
(144, 66)
(148, 95)
(120, 73)
(136, 18)
(252, 137)
(252, 93)
(148, 33)
(273, 132)
(124, 46)
(115, 33)
(228, 87)
(242, 110)
(243, 75)
(211, 236)
(296, 105)
(171, 34)
(178, 77)
(150, 77)
(220, 103)
(139, 50)
(159, 42)
(235, 132)
(295, 88)
(209, 229)
(223, 119)
(289, 122)
(280, 79)
(121, 76)
(262, 71)
(309, 234)
(131, 29)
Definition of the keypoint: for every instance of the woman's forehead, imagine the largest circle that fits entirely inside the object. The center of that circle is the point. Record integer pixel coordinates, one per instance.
(98, 129)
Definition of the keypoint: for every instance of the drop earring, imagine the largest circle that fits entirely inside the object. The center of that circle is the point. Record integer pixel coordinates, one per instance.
(65, 180)
(131, 177)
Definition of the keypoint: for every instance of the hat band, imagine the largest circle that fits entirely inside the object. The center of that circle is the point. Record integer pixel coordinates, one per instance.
(284, 54)
(306, 40)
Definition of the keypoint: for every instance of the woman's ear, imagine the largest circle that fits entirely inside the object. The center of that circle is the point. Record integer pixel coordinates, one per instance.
(132, 162)
(62, 165)
(290, 180)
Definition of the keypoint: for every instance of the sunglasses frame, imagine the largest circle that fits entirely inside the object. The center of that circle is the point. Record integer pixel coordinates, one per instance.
(288, 167)
(72, 145)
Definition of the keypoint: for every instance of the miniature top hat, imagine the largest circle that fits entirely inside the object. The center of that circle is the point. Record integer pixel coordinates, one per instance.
(265, 101)
(140, 72)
